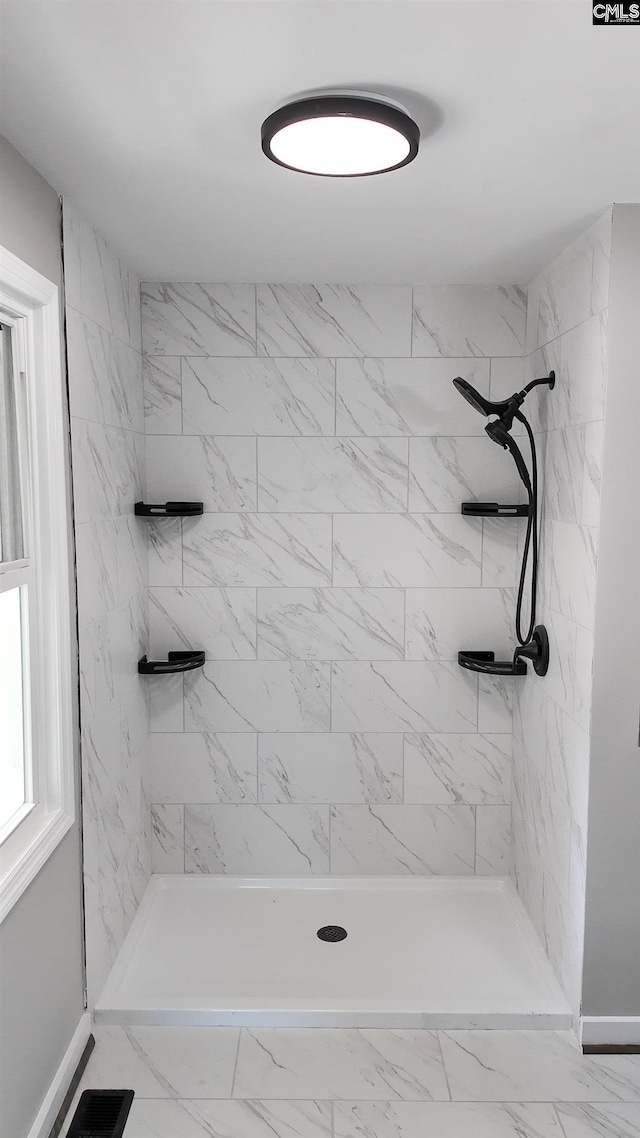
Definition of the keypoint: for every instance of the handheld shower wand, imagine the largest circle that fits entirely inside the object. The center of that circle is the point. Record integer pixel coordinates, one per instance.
(533, 643)
(497, 431)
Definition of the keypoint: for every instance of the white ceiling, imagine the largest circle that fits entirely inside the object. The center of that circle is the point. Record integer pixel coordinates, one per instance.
(148, 115)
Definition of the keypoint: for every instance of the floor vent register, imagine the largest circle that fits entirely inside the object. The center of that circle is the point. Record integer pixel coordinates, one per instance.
(101, 1114)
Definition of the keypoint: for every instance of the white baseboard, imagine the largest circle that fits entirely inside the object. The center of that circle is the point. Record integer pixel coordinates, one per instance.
(54, 1097)
(604, 1030)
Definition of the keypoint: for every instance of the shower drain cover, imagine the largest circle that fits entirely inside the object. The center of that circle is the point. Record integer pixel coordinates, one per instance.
(332, 933)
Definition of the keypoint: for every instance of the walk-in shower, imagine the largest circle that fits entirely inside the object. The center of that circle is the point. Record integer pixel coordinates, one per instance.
(534, 643)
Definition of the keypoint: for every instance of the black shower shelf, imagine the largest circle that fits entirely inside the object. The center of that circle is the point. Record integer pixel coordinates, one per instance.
(486, 663)
(168, 510)
(493, 510)
(175, 662)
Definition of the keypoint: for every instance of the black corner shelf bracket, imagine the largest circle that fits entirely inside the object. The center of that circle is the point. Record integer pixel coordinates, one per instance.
(168, 510)
(175, 662)
(536, 650)
(493, 510)
(486, 663)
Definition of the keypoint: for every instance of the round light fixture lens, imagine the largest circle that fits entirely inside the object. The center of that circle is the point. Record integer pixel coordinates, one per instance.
(340, 137)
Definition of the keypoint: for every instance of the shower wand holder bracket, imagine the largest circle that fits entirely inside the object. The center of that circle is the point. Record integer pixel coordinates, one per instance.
(486, 663)
(536, 650)
(493, 510)
(175, 662)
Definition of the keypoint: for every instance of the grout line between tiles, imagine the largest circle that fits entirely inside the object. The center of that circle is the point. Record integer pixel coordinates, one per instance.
(181, 400)
(235, 1066)
(331, 663)
(465, 1102)
(444, 1065)
(411, 322)
(554, 1105)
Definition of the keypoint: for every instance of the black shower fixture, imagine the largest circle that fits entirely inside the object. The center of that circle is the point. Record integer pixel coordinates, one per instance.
(534, 644)
(499, 433)
(478, 401)
(505, 409)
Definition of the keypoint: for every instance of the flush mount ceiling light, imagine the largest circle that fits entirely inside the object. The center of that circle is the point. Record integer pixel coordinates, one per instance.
(341, 135)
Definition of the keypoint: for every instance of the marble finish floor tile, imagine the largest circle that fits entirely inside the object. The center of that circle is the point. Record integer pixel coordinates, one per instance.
(445, 1120)
(338, 1064)
(206, 1118)
(596, 1121)
(190, 1062)
(158, 1062)
(331, 1083)
(534, 1066)
(156, 1118)
(116, 1062)
(266, 1119)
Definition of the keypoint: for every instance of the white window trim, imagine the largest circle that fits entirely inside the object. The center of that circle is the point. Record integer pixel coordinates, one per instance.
(26, 295)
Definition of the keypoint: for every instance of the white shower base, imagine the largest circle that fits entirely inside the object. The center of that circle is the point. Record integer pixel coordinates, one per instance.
(432, 952)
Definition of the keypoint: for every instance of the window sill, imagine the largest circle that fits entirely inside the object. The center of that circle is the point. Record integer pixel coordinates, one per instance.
(26, 850)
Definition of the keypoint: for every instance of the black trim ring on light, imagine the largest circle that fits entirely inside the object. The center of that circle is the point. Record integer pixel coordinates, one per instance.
(338, 106)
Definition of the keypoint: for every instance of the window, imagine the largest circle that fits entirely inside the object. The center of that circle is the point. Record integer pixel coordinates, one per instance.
(36, 735)
(15, 579)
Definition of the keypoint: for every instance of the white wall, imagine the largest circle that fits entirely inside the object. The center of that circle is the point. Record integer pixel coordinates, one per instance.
(567, 332)
(41, 976)
(332, 579)
(106, 403)
(612, 942)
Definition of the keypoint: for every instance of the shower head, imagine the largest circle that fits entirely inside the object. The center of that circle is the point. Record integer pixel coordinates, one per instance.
(478, 401)
(505, 408)
(499, 433)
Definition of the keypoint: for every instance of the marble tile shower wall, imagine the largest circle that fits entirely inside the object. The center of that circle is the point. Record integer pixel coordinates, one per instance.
(331, 580)
(107, 432)
(567, 331)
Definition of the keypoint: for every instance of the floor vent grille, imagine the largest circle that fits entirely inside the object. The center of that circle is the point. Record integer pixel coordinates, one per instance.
(101, 1114)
